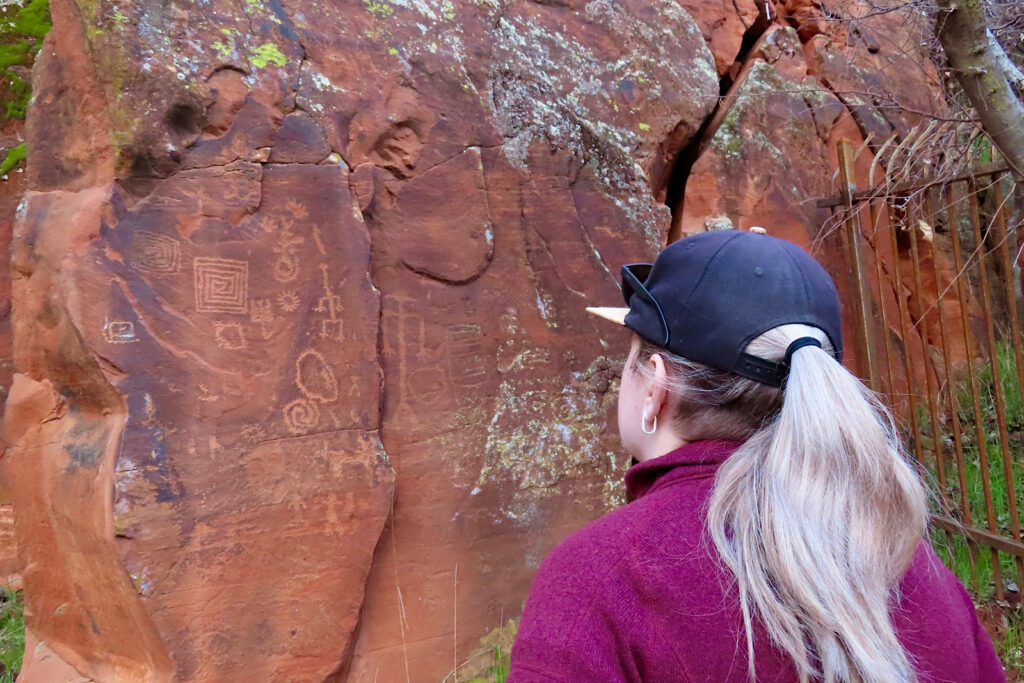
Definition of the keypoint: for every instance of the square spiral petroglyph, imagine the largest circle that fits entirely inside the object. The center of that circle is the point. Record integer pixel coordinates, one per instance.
(155, 252)
(222, 285)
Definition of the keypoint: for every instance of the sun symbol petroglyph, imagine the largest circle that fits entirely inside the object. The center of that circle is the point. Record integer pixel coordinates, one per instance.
(222, 285)
(315, 378)
(286, 268)
(229, 335)
(155, 252)
(253, 432)
(288, 300)
(296, 208)
(301, 415)
(119, 332)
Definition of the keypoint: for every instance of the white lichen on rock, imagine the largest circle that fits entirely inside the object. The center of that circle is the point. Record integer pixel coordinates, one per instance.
(743, 127)
(547, 427)
(545, 86)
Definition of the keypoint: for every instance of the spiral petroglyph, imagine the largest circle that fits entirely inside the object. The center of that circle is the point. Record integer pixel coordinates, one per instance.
(222, 285)
(301, 416)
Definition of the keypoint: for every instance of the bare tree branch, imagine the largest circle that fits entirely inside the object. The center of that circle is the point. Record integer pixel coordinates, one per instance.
(978, 63)
(1013, 74)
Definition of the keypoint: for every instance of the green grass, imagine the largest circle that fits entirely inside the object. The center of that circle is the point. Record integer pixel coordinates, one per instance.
(991, 449)
(12, 635)
(490, 664)
(973, 564)
(499, 670)
(1011, 647)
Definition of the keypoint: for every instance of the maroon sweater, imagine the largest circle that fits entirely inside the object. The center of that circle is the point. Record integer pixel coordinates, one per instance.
(640, 595)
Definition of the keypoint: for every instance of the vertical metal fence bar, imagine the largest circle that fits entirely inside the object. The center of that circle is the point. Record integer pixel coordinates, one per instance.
(866, 368)
(954, 414)
(876, 235)
(995, 253)
(1004, 436)
(1002, 237)
(905, 331)
(930, 390)
(979, 428)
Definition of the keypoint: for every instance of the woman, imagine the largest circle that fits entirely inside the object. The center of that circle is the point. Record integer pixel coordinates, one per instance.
(775, 530)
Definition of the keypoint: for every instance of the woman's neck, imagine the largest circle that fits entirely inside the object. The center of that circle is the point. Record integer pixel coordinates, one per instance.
(665, 440)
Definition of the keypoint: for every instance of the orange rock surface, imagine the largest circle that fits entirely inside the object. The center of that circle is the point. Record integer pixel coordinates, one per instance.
(304, 386)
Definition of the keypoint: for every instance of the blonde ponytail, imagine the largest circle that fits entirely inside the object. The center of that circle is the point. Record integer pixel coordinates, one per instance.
(817, 515)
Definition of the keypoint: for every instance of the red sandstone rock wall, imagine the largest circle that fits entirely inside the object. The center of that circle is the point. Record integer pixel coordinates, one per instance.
(305, 389)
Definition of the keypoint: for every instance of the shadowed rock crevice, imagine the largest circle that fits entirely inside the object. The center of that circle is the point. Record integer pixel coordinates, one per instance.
(728, 84)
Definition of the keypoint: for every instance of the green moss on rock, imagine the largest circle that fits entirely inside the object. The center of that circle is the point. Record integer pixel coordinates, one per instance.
(15, 155)
(22, 29)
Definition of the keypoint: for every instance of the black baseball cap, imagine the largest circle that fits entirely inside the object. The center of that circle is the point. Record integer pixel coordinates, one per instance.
(708, 296)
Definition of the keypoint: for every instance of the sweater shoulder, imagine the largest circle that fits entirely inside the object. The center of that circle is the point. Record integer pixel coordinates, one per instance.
(613, 544)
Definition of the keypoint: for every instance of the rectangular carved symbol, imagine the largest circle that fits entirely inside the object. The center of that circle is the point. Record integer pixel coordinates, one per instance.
(119, 332)
(222, 285)
(466, 355)
(152, 251)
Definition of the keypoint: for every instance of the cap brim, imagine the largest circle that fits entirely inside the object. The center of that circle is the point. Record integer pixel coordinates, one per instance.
(612, 314)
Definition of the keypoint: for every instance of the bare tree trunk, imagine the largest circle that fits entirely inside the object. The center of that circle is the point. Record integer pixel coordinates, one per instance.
(979, 65)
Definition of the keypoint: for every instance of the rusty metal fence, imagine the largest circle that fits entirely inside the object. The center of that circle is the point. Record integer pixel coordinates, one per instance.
(932, 284)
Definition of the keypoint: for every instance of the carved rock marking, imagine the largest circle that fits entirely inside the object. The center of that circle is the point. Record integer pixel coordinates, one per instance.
(119, 332)
(155, 252)
(222, 285)
(229, 336)
(315, 378)
(301, 415)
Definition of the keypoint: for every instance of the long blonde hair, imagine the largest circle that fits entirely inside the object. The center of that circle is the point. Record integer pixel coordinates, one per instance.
(817, 515)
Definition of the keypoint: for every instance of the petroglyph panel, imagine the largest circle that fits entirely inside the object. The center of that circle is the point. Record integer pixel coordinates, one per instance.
(212, 358)
(221, 285)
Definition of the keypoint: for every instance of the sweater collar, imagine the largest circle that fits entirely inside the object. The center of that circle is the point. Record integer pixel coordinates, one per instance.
(643, 477)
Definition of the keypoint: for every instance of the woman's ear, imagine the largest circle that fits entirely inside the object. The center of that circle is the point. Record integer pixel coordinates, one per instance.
(657, 390)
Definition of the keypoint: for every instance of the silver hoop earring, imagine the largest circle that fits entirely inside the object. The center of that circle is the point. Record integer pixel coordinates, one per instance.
(643, 424)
